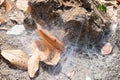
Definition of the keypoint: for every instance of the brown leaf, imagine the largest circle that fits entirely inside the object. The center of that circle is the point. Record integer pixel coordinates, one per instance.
(7, 5)
(16, 57)
(28, 9)
(55, 59)
(51, 40)
(106, 49)
(33, 65)
(46, 54)
(40, 47)
(118, 1)
(2, 20)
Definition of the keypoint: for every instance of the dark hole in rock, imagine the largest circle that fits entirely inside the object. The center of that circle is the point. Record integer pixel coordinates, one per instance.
(44, 14)
(29, 24)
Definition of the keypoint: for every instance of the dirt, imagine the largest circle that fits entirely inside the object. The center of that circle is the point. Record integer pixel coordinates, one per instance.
(83, 33)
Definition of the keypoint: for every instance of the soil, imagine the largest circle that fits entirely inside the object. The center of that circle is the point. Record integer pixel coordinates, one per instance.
(76, 24)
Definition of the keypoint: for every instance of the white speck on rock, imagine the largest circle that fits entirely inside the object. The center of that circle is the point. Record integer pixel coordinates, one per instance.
(113, 27)
(16, 30)
(88, 78)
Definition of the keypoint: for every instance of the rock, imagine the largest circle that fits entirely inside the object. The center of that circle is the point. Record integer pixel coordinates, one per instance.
(18, 16)
(22, 4)
(16, 30)
(72, 13)
(106, 49)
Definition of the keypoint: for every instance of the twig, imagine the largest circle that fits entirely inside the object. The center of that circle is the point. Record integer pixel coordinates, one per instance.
(2, 28)
(98, 13)
(66, 76)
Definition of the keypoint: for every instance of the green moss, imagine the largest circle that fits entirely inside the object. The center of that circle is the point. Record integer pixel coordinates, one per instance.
(102, 8)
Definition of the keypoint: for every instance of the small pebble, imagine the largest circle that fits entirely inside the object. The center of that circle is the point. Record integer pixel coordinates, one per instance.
(106, 49)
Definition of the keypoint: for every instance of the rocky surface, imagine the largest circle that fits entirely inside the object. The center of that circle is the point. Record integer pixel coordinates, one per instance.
(79, 26)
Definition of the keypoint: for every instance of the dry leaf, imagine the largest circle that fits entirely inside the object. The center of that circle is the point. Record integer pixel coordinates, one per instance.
(118, 1)
(2, 20)
(106, 49)
(51, 40)
(55, 59)
(22, 4)
(39, 47)
(49, 48)
(6, 4)
(33, 65)
(46, 53)
(16, 57)
(28, 9)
